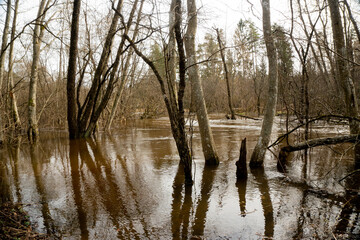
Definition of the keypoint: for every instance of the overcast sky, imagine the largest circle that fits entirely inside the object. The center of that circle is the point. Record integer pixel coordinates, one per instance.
(226, 14)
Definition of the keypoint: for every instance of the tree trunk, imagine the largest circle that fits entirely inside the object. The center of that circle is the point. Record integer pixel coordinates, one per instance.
(258, 155)
(175, 109)
(241, 170)
(13, 109)
(346, 82)
(33, 131)
(170, 59)
(226, 73)
(125, 70)
(4, 42)
(207, 140)
(2, 64)
(71, 75)
(88, 114)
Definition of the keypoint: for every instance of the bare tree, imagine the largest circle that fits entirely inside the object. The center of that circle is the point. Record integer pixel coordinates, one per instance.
(207, 140)
(226, 73)
(2, 63)
(343, 77)
(258, 155)
(174, 105)
(125, 69)
(38, 34)
(71, 74)
(13, 109)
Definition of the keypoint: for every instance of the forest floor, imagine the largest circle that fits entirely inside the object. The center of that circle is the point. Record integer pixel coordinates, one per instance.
(15, 223)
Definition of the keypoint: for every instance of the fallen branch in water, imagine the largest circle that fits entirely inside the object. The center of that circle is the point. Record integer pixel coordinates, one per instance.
(325, 117)
(284, 151)
(243, 116)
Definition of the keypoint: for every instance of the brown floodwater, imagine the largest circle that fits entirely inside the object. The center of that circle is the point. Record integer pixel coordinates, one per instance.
(128, 185)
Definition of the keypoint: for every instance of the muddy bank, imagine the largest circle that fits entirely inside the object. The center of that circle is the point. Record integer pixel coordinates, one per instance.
(15, 223)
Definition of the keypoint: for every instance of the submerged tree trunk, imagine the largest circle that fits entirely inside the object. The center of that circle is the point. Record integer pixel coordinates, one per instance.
(13, 109)
(175, 108)
(241, 169)
(258, 155)
(207, 140)
(226, 73)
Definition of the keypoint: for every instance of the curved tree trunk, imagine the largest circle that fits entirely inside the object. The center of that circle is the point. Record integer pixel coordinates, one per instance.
(258, 155)
(207, 140)
(175, 108)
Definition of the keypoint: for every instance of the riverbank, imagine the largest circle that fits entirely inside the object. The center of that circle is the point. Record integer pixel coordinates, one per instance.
(15, 223)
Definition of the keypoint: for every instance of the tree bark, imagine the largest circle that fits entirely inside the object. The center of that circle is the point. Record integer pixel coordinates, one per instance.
(2, 63)
(258, 155)
(175, 109)
(226, 73)
(346, 82)
(89, 110)
(207, 141)
(71, 74)
(241, 169)
(33, 130)
(13, 109)
(124, 74)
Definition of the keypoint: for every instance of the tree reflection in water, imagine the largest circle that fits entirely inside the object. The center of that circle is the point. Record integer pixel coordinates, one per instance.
(74, 152)
(37, 166)
(266, 202)
(128, 185)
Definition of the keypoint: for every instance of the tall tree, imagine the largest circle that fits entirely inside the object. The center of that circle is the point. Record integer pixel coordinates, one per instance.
(38, 33)
(174, 105)
(125, 70)
(226, 73)
(13, 109)
(71, 74)
(258, 155)
(343, 77)
(2, 63)
(207, 140)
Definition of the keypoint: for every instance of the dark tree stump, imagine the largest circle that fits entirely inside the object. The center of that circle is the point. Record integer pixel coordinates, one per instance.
(241, 169)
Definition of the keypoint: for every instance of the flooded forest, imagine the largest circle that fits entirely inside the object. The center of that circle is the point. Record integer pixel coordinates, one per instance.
(174, 119)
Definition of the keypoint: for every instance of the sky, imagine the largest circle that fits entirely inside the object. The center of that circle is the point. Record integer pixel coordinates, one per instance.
(225, 14)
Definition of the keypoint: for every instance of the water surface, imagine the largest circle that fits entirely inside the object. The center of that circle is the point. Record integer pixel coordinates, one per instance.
(128, 185)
